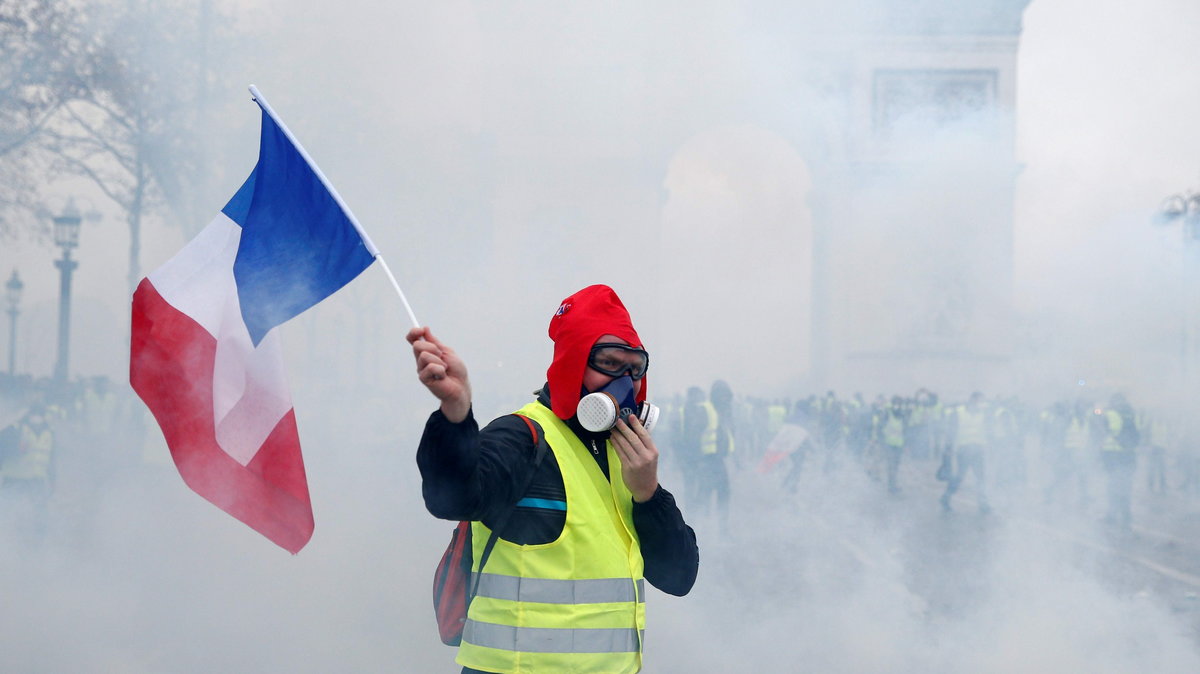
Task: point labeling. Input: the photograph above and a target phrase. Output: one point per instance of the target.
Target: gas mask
(598, 411)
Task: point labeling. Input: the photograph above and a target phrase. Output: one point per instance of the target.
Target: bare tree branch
(103, 182)
(126, 156)
(31, 131)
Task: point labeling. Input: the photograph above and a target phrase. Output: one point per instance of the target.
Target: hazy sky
(385, 95)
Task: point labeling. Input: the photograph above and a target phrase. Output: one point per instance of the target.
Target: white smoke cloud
(502, 158)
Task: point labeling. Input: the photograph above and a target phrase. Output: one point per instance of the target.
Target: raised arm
(442, 372)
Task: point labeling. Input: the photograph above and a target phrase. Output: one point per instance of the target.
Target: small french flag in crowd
(205, 354)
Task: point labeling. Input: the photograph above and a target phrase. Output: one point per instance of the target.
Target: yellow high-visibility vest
(776, 415)
(32, 460)
(576, 604)
(1078, 434)
(918, 415)
(972, 427)
(1115, 424)
(893, 429)
(708, 439)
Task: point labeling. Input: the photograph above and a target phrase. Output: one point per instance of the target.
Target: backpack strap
(542, 448)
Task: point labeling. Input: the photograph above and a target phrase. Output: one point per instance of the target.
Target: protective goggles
(615, 360)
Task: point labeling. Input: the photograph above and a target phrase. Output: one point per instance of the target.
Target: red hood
(581, 319)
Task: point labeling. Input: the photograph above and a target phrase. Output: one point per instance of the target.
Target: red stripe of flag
(171, 368)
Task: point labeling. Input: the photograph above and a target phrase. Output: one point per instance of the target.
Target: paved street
(858, 580)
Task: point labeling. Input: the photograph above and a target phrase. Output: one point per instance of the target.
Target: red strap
(532, 428)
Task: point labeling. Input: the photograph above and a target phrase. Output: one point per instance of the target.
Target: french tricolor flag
(205, 354)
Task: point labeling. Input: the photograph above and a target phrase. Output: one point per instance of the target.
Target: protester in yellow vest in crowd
(1117, 453)
(1067, 437)
(892, 432)
(776, 414)
(968, 431)
(1006, 447)
(33, 459)
(99, 410)
(923, 424)
(859, 425)
(761, 426)
(1078, 437)
(27, 468)
(564, 587)
(716, 443)
(830, 428)
(708, 439)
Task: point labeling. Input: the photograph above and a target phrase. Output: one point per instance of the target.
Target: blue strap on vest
(543, 503)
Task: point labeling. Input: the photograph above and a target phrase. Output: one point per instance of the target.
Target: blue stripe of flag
(297, 245)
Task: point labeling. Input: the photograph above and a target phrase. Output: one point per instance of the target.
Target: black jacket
(468, 474)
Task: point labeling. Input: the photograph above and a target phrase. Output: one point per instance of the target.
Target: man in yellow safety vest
(580, 532)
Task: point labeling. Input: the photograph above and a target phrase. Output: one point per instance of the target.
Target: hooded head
(581, 319)
(1118, 402)
(720, 395)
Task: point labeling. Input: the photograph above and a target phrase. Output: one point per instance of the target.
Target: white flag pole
(337, 198)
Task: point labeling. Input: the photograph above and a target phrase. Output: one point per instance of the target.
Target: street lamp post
(66, 237)
(12, 292)
(1185, 209)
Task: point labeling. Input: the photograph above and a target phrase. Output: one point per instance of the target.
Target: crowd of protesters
(1083, 453)
(84, 424)
(1089, 453)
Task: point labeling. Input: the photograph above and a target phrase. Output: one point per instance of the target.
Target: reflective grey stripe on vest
(551, 640)
(548, 591)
